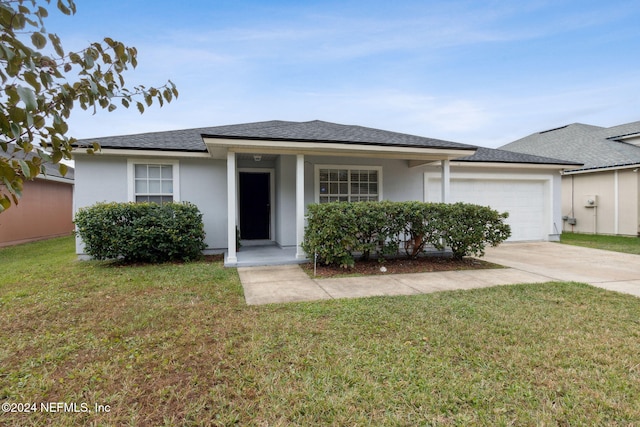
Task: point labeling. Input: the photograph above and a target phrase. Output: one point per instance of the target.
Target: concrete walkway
(529, 263)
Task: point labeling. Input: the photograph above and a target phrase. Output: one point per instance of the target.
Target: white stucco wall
(202, 182)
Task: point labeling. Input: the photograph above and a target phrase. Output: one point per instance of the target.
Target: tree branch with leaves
(41, 83)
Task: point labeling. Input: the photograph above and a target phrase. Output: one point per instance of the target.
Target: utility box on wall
(591, 201)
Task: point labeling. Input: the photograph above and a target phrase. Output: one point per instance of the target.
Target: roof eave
(602, 168)
(218, 147)
(143, 152)
(529, 165)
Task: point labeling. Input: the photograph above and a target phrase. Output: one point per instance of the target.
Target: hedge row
(142, 232)
(338, 232)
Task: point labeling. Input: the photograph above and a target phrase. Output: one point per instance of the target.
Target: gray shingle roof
(594, 146)
(503, 156)
(50, 169)
(314, 131)
(175, 140)
(319, 131)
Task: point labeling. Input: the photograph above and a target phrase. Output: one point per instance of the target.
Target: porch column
(231, 208)
(446, 178)
(299, 206)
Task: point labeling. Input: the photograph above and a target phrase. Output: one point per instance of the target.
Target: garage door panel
(524, 201)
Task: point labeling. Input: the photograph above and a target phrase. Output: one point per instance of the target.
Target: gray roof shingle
(502, 156)
(320, 132)
(593, 146)
(51, 170)
(314, 131)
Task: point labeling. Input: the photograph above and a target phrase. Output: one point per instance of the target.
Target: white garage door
(523, 199)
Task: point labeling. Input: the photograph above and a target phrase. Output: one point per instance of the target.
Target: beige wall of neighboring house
(609, 170)
(616, 195)
(45, 211)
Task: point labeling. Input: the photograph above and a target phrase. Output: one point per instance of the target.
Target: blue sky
(476, 72)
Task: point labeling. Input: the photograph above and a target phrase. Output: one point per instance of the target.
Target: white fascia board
(510, 165)
(494, 176)
(595, 170)
(55, 179)
(144, 153)
(333, 149)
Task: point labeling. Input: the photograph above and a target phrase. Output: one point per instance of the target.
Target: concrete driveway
(528, 263)
(610, 270)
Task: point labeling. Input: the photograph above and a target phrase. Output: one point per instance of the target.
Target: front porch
(293, 157)
(252, 255)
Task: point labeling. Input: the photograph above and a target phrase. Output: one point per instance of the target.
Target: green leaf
(57, 45)
(140, 107)
(5, 203)
(32, 79)
(63, 169)
(42, 12)
(38, 40)
(167, 95)
(28, 97)
(63, 8)
(56, 156)
(88, 60)
(16, 130)
(26, 170)
(34, 169)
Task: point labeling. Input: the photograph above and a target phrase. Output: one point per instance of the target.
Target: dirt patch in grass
(210, 259)
(400, 266)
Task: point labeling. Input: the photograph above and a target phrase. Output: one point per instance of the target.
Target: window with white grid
(348, 184)
(153, 182)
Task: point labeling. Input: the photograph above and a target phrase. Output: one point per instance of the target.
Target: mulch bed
(399, 265)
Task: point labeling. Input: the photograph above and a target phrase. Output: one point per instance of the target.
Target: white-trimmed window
(153, 181)
(337, 183)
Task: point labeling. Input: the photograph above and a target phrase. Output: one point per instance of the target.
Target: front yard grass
(175, 344)
(629, 245)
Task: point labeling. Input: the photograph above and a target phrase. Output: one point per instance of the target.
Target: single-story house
(44, 211)
(258, 178)
(602, 195)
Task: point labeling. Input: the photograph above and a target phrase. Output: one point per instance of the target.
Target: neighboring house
(44, 211)
(602, 196)
(259, 177)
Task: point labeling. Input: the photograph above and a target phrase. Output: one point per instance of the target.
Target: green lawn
(630, 245)
(176, 345)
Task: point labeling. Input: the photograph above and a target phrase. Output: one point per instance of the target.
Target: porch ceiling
(263, 157)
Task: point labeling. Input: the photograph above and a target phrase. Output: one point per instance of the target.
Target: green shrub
(339, 232)
(331, 233)
(423, 225)
(470, 228)
(142, 232)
